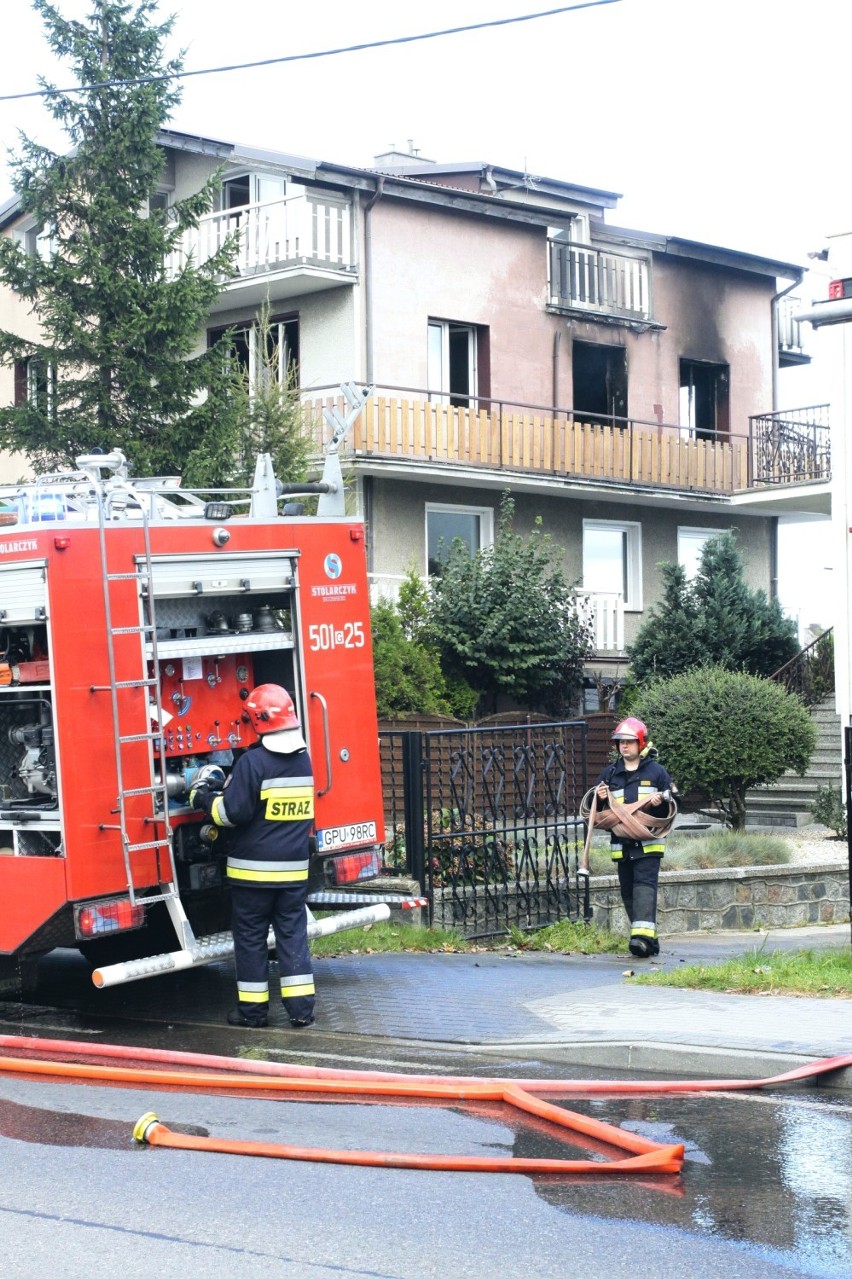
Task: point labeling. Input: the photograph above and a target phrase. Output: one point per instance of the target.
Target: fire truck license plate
(334, 837)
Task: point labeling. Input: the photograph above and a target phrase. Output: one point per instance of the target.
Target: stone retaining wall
(740, 898)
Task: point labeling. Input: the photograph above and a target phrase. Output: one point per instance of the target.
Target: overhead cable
(305, 57)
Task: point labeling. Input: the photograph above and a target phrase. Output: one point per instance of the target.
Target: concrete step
(798, 808)
(814, 776)
(787, 803)
(788, 789)
(780, 818)
(796, 785)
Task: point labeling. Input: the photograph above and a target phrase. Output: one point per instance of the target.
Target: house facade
(623, 386)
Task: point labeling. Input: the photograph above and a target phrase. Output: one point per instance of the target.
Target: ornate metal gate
(486, 820)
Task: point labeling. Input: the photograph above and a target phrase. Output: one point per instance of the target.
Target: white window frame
(264, 186)
(41, 384)
(160, 201)
(438, 360)
(36, 241)
(687, 533)
(484, 513)
(249, 329)
(633, 567)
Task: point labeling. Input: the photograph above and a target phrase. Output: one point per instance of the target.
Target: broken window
(600, 381)
(704, 408)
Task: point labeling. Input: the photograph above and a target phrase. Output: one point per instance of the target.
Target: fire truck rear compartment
(129, 639)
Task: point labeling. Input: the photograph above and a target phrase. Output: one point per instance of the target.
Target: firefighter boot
(643, 947)
(643, 927)
(236, 1017)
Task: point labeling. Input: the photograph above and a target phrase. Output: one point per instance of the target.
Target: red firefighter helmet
(631, 729)
(270, 708)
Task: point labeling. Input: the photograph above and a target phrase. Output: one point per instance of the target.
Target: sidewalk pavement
(535, 1011)
(587, 1010)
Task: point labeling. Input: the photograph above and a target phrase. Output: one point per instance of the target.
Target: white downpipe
(221, 946)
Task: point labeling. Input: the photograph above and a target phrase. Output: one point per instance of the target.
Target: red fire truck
(135, 616)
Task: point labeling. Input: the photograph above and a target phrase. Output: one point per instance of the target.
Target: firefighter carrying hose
(636, 776)
(267, 806)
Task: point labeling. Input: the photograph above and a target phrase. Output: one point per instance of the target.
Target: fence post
(847, 764)
(412, 769)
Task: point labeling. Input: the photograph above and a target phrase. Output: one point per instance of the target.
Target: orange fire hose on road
(150, 1130)
(258, 1078)
(560, 1087)
(647, 1155)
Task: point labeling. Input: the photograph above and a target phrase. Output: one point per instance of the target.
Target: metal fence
(486, 820)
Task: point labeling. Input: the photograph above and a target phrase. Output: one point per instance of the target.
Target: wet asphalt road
(766, 1189)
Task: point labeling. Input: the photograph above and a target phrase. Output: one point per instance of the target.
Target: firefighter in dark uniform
(267, 807)
(636, 775)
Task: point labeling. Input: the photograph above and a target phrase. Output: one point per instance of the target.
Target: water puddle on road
(64, 1128)
(762, 1170)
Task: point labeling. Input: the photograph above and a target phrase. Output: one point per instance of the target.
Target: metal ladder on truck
(153, 713)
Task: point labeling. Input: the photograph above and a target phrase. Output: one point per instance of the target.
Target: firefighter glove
(202, 797)
(206, 785)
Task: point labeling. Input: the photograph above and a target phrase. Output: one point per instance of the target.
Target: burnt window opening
(704, 399)
(600, 380)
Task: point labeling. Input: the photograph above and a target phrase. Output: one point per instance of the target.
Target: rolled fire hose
(628, 821)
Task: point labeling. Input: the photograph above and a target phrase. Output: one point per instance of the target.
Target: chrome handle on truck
(324, 708)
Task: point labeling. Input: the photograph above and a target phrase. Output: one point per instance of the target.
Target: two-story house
(622, 385)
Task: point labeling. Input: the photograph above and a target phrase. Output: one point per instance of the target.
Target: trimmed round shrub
(722, 732)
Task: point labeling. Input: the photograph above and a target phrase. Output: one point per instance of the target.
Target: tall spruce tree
(117, 325)
(715, 619)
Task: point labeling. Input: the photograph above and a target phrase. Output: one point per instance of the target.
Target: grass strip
(825, 974)
(386, 938)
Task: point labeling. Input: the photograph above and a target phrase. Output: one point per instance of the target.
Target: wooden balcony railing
(492, 436)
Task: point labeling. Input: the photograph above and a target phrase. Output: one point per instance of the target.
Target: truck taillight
(839, 289)
(96, 919)
(355, 866)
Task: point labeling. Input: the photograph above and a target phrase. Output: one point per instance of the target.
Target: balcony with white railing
(791, 346)
(605, 610)
(594, 280)
(295, 245)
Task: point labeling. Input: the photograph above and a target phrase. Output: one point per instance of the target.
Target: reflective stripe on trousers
(638, 880)
(253, 912)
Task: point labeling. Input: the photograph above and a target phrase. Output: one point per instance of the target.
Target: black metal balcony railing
(790, 447)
